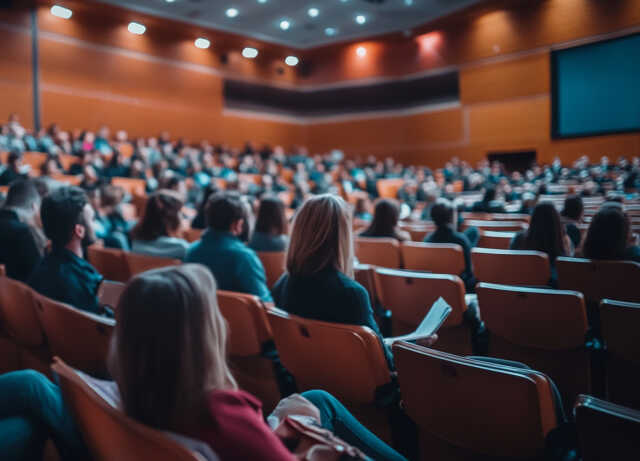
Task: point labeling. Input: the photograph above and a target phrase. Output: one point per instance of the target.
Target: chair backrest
(383, 252)
(345, 360)
(18, 313)
(473, 405)
(439, 258)
(606, 431)
(498, 226)
(109, 262)
(80, 338)
(534, 317)
(498, 240)
(109, 293)
(598, 280)
(388, 188)
(138, 263)
(3, 270)
(409, 296)
(133, 186)
(249, 327)
(363, 274)
(192, 235)
(511, 267)
(108, 433)
(480, 216)
(274, 263)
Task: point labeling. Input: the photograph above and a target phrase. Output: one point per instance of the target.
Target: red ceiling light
(430, 42)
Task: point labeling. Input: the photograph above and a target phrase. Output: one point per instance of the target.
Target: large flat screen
(596, 88)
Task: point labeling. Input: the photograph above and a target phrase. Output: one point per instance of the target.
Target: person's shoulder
(350, 286)
(229, 401)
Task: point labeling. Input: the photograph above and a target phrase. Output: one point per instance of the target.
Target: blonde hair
(321, 237)
(169, 346)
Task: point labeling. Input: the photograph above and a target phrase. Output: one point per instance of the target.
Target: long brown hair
(169, 347)
(321, 237)
(608, 234)
(546, 232)
(161, 216)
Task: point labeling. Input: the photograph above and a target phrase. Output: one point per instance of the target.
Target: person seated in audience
(546, 234)
(19, 249)
(199, 222)
(361, 209)
(386, 215)
(114, 227)
(572, 216)
(63, 274)
(235, 266)
(609, 236)
(443, 214)
(318, 283)
(270, 233)
(489, 204)
(156, 234)
(14, 169)
(173, 378)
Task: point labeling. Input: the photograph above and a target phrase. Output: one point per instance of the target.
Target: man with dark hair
(13, 170)
(18, 248)
(235, 266)
(489, 204)
(572, 216)
(63, 274)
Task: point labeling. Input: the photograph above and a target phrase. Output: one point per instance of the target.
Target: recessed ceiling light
(61, 11)
(285, 24)
(202, 43)
(231, 12)
(249, 53)
(170, 1)
(313, 12)
(291, 61)
(361, 51)
(262, 1)
(330, 31)
(361, 19)
(136, 28)
(408, 2)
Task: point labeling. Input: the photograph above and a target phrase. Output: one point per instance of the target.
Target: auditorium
(319, 230)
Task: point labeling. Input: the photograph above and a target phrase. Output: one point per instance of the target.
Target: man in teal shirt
(235, 266)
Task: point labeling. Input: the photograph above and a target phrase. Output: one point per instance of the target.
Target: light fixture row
(202, 43)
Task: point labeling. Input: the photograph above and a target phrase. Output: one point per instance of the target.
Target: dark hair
(207, 192)
(111, 195)
(489, 194)
(442, 212)
(223, 209)
(608, 234)
(13, 157)
(61, 210)
(546, 232)
(385, 220)
(573, 207)
(161, 216)
(23, 193)
(271, 217)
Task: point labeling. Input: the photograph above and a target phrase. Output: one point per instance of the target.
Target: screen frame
(555, 134)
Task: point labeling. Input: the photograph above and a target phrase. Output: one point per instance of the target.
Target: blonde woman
(319, 281)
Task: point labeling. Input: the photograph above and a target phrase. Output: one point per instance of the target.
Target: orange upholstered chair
(542, 328)
(111, 263)
(388, 188)
(108, 433)
(511, 267)
(137, 263)
(619, 327)
(133, 186)
(410, 295)
(606, 431)
(79, 337)
(274, 263)
(384, 252)
(250, 342)
(496, 226)
(497, 240)
(19, 323)
(345, 360)
(439, 258)
(109, 293)
(192, 235)
(469, 409)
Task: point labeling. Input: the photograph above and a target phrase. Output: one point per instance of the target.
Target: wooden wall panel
(527, 76)
(15, 73)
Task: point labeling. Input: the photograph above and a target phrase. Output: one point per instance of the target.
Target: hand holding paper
(429, 325)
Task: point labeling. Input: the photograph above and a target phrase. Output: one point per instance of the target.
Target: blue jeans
(337, 419)
(31, 411)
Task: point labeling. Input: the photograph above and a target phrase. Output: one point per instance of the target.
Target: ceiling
(260, 19)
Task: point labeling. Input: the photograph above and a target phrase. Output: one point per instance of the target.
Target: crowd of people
(45, 228)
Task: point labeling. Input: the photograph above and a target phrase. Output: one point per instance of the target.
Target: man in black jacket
(18, 249)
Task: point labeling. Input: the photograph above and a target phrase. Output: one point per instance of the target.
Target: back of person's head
(207, 192)
(22, 195)
(224, 209)
(161, 216)
(14, 159)
(386, 214)
(169, 347)
(442, 212)
(271, 216)
(546, 232)
(61, 211)
(489, 194)
(112, 196)
(573, 207)
(608, 234)
(321, 237)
